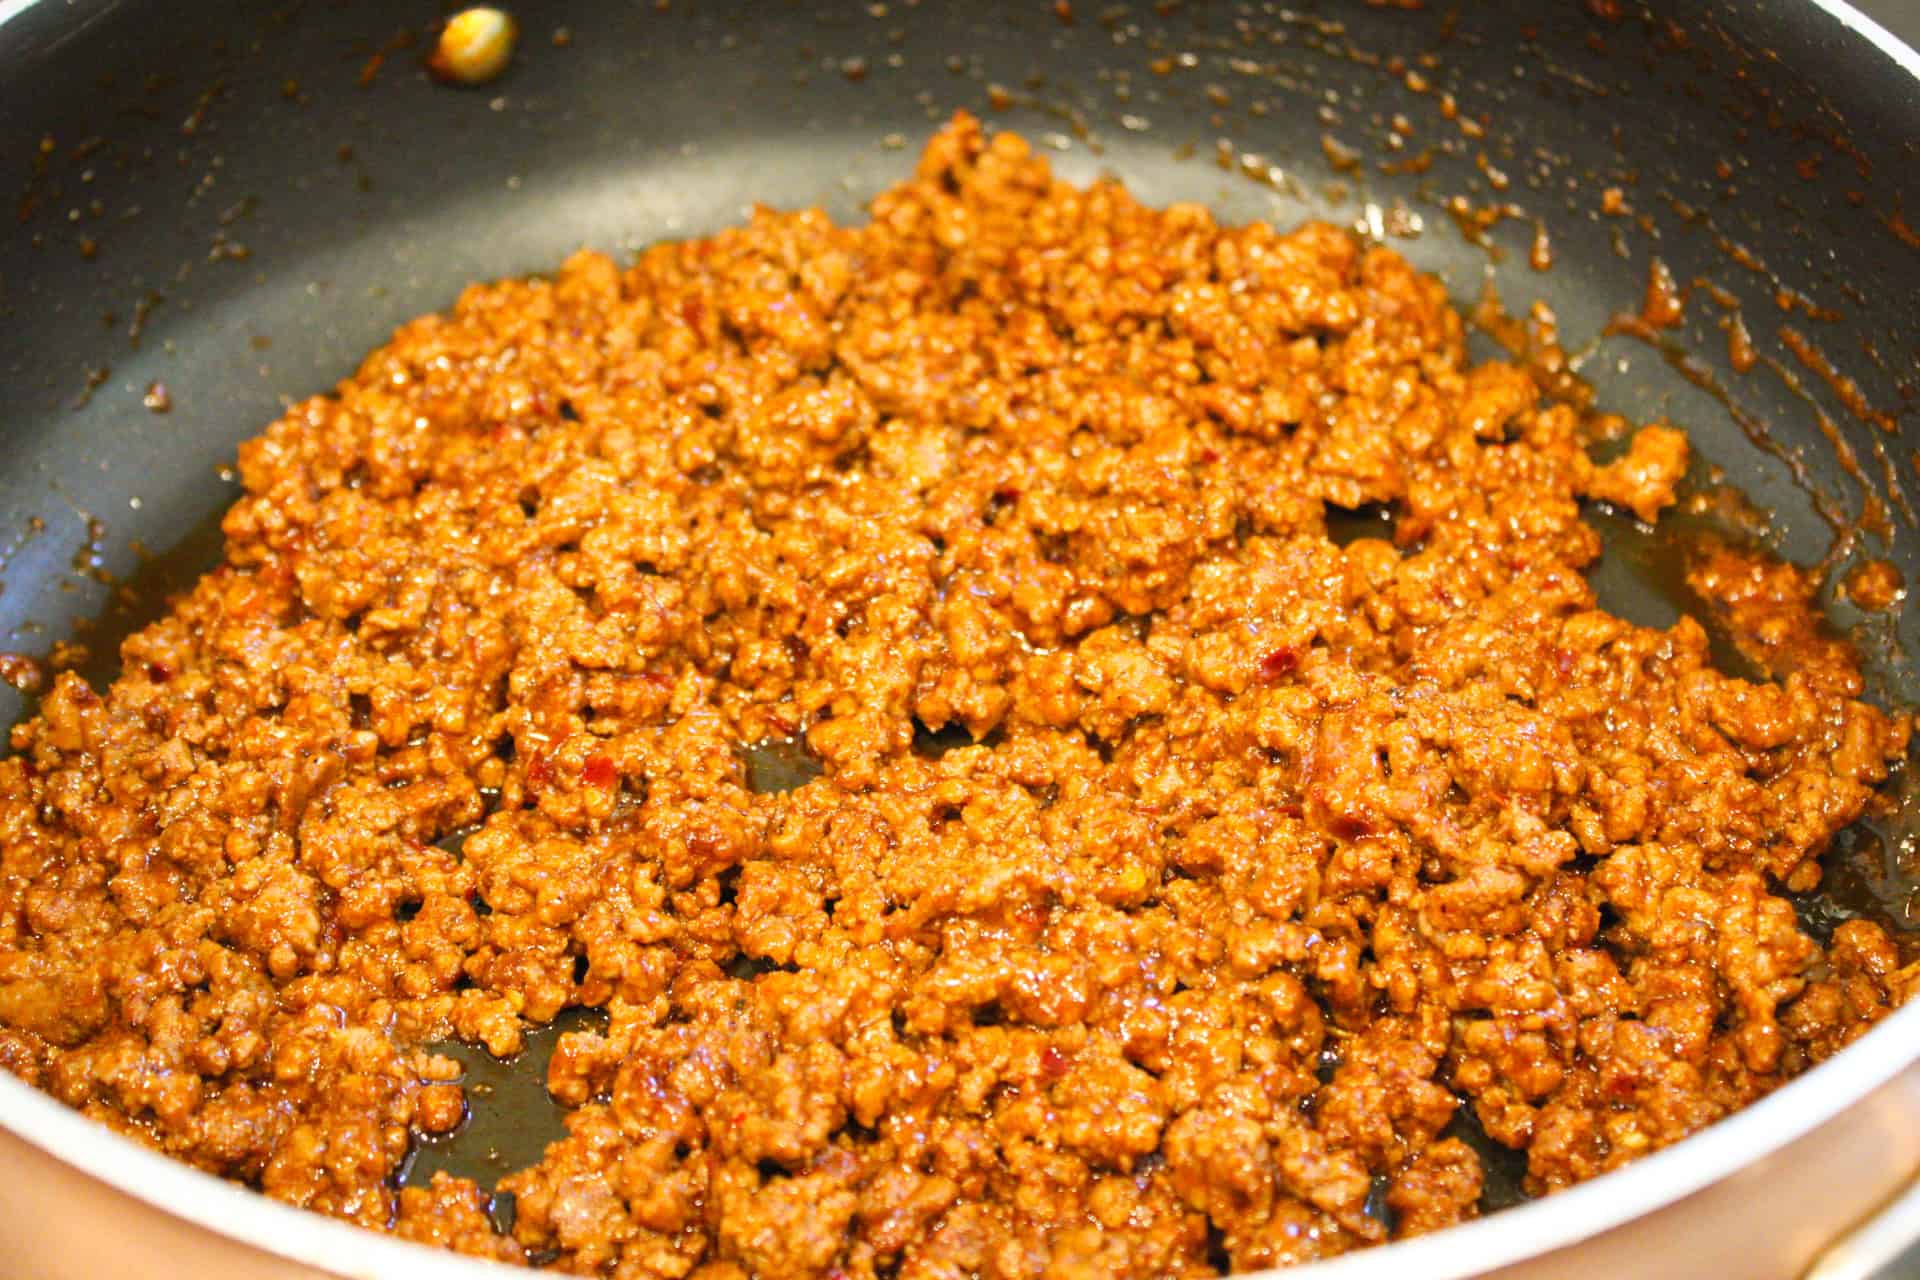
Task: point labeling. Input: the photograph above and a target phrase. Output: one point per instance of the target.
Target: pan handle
(1880, 1247)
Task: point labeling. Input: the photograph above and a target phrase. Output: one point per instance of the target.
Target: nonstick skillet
(216, 210)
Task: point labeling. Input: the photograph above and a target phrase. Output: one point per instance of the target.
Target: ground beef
(1259, 856)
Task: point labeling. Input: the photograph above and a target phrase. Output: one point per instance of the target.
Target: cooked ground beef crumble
(1262, 856)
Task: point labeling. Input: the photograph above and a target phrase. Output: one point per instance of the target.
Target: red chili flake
(1563, 660)
(1006, 493)
(1053, 1063)
(693, 311)
(598, 771)
(159, 672)
(1209, 455)
(1350, 826)
(539, 770)
(1280, 664)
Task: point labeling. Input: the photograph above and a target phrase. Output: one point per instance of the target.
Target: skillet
(219, 210)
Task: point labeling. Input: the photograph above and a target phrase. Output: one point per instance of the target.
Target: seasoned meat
(1249, 858)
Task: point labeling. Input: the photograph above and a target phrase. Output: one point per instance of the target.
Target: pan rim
(1842, 11)
(1510, 1236)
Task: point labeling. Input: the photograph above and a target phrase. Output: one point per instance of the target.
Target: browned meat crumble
(1265, 854)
